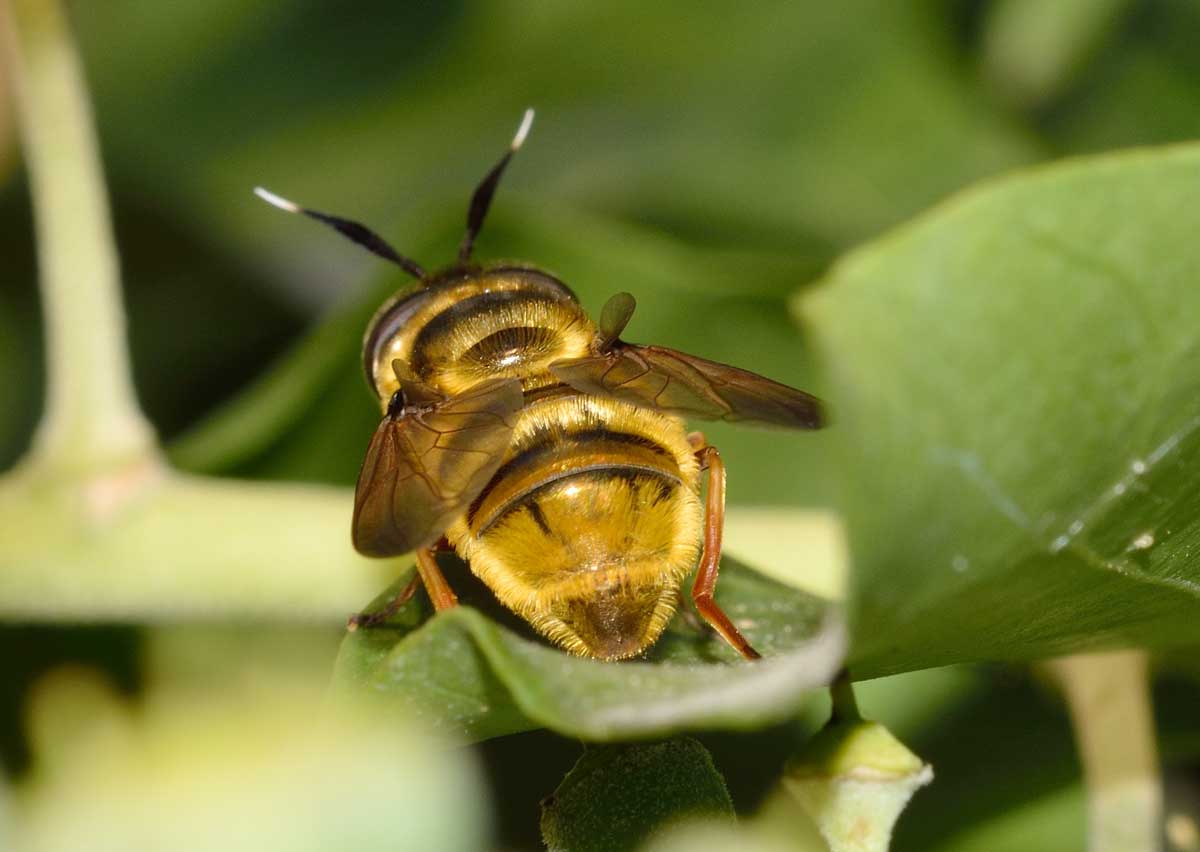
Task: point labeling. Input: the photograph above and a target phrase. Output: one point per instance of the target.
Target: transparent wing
(672, 381)
(425, 465)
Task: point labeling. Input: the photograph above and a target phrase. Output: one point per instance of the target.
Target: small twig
(845, 705)
(92, 421)
(1108, 696)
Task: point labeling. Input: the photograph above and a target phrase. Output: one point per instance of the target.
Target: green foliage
(646, 120)
(1014, 445)
(618, 797)
(463, 671)
(1140, 88)
(209, 773)
(1017, 395)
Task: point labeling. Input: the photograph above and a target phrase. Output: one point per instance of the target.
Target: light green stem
(94, 526)
(92, 421)
(1108, 696)
(845, 705)
(182, 548)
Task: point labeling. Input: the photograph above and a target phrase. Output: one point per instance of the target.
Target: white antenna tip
(277, 200)
(523, 130)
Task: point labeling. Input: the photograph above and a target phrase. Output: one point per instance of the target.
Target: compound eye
(396, 404)
(388, 323)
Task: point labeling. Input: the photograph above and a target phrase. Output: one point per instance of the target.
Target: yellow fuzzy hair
(604, 532)
(635, 534)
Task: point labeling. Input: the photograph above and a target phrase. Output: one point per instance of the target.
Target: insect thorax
(467, 326)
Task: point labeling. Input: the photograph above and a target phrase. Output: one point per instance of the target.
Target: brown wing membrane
(425, 465)
(662, 378)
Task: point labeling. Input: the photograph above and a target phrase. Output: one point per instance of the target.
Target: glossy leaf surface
(1017, 386)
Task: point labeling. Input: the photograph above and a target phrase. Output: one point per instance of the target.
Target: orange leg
(430, 574)
(706, 574)
(439, 590)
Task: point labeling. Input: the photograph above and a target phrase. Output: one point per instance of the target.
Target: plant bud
(853, 779)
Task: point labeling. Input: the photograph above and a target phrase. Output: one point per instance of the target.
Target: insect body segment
(591, 524)
(547, 451)
(471, 325)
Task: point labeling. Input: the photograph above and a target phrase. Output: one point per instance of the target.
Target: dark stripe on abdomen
(603, 473)
(554, 450)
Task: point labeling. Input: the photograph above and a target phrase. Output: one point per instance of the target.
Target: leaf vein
(968, 464)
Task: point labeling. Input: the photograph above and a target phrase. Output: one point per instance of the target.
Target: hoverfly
(546, 451)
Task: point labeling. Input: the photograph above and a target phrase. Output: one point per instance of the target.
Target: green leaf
(467, 672)
(618, 797)
(1019, 417)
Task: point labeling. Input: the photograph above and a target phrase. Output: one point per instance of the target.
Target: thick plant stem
(95, 526)
(1108, 696)
(92, 421)
(188, 548)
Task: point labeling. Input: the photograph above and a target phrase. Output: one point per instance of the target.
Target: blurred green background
(711, 159)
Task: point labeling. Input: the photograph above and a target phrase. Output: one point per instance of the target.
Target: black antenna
(359, 233)
(482, 199)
